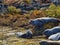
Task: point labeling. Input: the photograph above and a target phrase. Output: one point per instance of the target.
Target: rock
(43, 43)
(52, 31)
(55, 37)
(45, 5)
(1, 1)
(54, 1)
(27, 34)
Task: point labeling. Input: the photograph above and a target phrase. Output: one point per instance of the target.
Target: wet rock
(56, 2)
(43, 43)
(52, 31)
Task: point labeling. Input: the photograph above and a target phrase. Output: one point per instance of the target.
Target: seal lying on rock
(27, 34)
(55, 37)
(39, 24)
(52, 31)
(41, 21)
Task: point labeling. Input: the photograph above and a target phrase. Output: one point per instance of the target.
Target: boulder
(49, 32)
